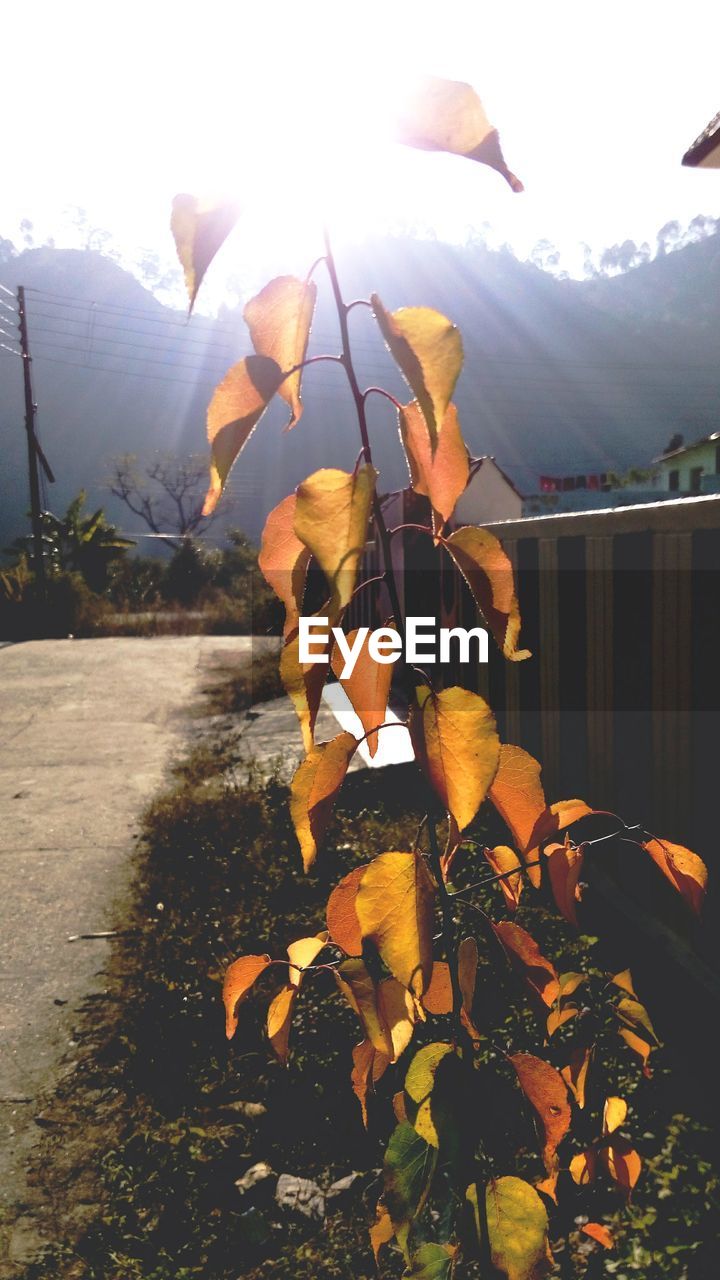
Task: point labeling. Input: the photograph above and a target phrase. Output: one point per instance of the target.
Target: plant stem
(346, 358)
(448, 925)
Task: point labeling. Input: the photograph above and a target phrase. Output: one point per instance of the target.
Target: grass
(155, 1130)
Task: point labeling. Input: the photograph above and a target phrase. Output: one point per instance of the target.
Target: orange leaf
(439, 996)
(279, 320)
(399, 1108)
(279, 1020)
(395, 906)
(576, 1072)
(382, 1231)
(237, 405)
(342, 919)
(368, 687)
(624, 981)
(368, 1067)
(527, 959)
(331, 518)
(428, 350)
(456, 745)
(313, 789)
(303, 683)
(684, 869)
(489, 574)
(544, 1087)
(385, 1009)
(199, 229)
(447, 115)
(564, 867)
(517, 794)
(239, 978)
(467, 975)
(283, 560)
(440, 476)
(622, 1163)
(504, 862)
(598, 1232)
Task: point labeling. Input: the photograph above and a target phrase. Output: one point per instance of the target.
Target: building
(691, 468)
(489, 495)
(705, 151)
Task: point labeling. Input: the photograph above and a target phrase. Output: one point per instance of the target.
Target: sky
(288, 106)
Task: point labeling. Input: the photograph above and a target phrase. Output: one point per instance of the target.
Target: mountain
(560, 376)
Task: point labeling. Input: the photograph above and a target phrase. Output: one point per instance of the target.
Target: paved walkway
(87, 731)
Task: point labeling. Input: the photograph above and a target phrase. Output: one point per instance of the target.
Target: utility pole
(35, 453)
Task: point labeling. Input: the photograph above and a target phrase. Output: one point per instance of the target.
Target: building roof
(475, 465)
(705, 150)
(688, 448)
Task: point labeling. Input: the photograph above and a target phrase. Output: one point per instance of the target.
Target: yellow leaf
(283, 560)
(342, 919)
(385, 1008)
(279, 1020)
(527, 959)
(583, 1167)
(302, 953)
(427, 348)
(419, 1087)
(456, 745)
(517, 1224)
(279, 320)
(684, 869)
(505, 862)
(239, 978)
(636, 1029)
(544, 1088)
(303, 683)
(237, 405)
(447, 115)
(368, 1066)
(438, 998)
(488, 572)
(199, 228)
(441, 476)
(331, 518)
(368, 687)
(614, 1115)
(313, 789)
(395, 907)
(576, 1072)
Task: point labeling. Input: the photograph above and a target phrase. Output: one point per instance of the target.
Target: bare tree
(167, 493)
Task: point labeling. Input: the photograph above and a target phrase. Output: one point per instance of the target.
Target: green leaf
(432, 1262)
(408, 1170)
(517, 1226)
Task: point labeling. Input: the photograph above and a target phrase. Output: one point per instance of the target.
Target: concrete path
(87, 731)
